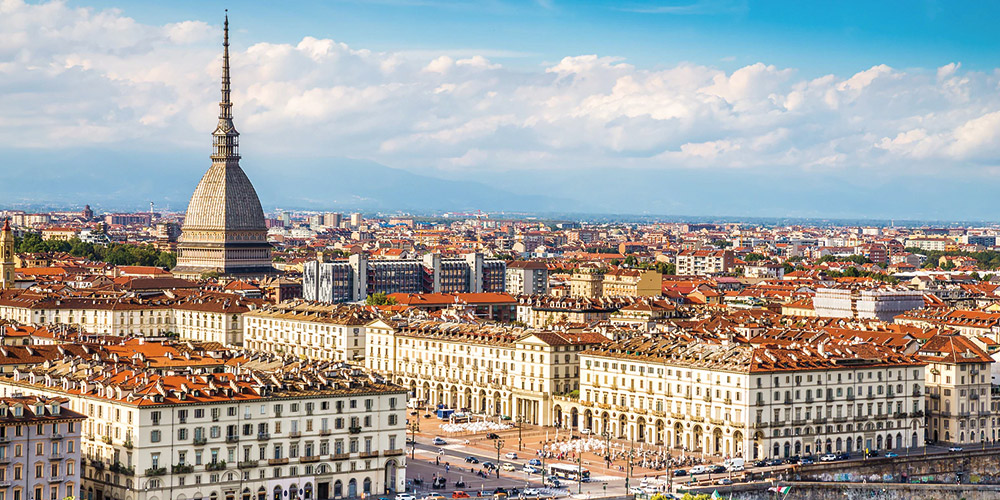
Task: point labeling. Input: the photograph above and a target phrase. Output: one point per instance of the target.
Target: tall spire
(225, 138)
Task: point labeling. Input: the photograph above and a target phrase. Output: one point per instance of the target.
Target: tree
(668, 268)
(380, 299)
(210, 275)
(754, 257)
(615, 262)
(631, 261)
(788, 267)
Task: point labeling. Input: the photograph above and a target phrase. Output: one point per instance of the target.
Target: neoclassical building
(748, 400)
(490, 369)
(224, 230)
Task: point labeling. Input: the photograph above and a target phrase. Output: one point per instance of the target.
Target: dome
(224, 200)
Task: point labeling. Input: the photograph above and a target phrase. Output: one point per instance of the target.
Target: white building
(317, 331)
(878, 303)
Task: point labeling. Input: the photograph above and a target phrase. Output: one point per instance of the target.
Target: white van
(735, 464)
(699, 469)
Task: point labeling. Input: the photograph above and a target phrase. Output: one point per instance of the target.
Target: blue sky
(852, 105)
(817, 37)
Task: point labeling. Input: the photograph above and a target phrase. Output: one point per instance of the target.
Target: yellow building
(632, 283)
(586, 285)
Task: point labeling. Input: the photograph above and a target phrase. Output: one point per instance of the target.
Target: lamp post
(414, 427)
(607, 448)
(520, 423)
(499, 446)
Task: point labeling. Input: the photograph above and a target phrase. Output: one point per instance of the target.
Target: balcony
(97, 464)
(4, 460)
(899, 414)
(56, 479)
(263, 436)
(839, 420)
(820, 420)
(247, 464)
(55, 437)
(340, 456)
(354, 429)
(200, 441)
(918, 413)
(106, 439)
(156, 471)
(294, 434)
(4, 439)
(182, 469)
(727, 401)
(392, 453)
(128, 444)
(850, 397)
(716, 421)
(121, 469)
(935, 395)
(232, 439)
(309, 459)
(368, 454)
(325, 432)
(760, 425)
(277, 461)
(759, 402)
(216, 466)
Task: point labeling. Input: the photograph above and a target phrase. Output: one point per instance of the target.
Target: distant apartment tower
(702, 262)
(356, 219)
(331, 219)
(525, 277)
(883, 304)
(137, 219)
(358, 277)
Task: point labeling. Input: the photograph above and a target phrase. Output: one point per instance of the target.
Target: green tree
(380, 299)
(210, 275)
(754, 257)
(668, 268)
(631, 261)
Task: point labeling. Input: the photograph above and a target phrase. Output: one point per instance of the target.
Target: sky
(696, 107)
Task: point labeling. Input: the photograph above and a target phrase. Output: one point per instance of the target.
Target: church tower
(224, 230)
(6, 256)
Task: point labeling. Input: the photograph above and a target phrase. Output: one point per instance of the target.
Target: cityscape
(296, 333)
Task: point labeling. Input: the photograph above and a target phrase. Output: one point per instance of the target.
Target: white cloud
(78, 76)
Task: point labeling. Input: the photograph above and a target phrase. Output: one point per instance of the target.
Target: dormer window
(18, 411)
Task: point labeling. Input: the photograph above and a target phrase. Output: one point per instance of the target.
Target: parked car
(508, 467)
(405, 496)
(510, 455)
(471, 460)
(760, 463)
(680, 472)
(829, 457)
(844, 456)
(536, 462)
(438, 441)
(806, 461)
(499, 489)
(459, 494)
(735, 468)
(955, 448)
(724, 480)
(871, 453)
(891, 455)
(716, 469)
(698, 469)
(585, 431)
(775, 462)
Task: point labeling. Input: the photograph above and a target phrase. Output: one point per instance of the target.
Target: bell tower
(6, 256)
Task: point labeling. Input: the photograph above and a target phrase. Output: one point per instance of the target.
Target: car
(829, 457)
(680, 472)
(438, 441)
(716, 469)
(405, 496)
(806, 461)
(955, 448)
(489, 465)
(433, 497)
(760, 463)
(427, 415)
(531, 469)
(553, 482)
(508, 467)
(635, 490)
(871, 453)
(410, 440)
(774, 462)
(459, 494)
(891, 455)
(735, 468)
(514, 492)
(536, 462)
(844, 456)
(510, 455)
(530, 492)
(492, 435)
(499, 489)
(585, 431)
(471, 460)
(698, 469)
(724, 480)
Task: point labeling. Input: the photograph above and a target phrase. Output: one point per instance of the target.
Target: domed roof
(224, 200)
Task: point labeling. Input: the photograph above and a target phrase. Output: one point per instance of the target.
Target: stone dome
(224, 200)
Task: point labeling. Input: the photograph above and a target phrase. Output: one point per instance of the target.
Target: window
(154, 436)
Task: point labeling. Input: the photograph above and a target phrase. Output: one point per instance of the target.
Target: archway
(717, 441)
(352, 488)
(640, 430)
(737, 444)
(678, 435)
(366, 486)
(276, 493)
(574, 418)
(390, 476)
(557, 415)
(698, 445)
(659, 432)
(338, 489)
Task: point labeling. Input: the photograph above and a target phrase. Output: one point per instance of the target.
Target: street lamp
(499, 446)
(414, 427)
(607, 447)
(520, 421)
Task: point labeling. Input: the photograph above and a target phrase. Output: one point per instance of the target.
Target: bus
(569, 472)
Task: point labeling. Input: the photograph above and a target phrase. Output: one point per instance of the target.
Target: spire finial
(226, 142)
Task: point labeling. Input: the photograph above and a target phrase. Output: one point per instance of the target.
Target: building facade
(527, 278)
(40, 450)
(704, 262)
(316, 331)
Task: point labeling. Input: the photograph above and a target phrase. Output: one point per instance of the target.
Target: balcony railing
(354, 429)
(216, 465)
(391, 453)
(277, 461)
(294, 434)
(200, 441)
(232, 439)
(340, 456)
(325, 432)
(121, 469)
(247, 464)
(263, 436)
(182, 469)
(156, 471)
(368, 454)
(309, 459)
